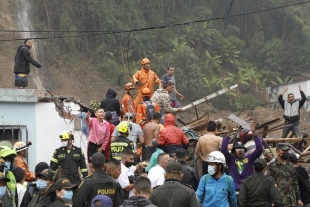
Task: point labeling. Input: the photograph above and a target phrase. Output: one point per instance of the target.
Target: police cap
(174, 167)
(98, 158)
(261, 161)
(63, 183)
(47, 173)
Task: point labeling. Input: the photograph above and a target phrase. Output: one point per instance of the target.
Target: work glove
(132, 179)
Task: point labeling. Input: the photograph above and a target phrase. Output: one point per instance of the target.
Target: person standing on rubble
(22, 67)
(112, 104)
(127, 100)
(145, 78)
(291, 112)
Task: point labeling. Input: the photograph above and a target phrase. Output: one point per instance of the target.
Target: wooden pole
(270, 140)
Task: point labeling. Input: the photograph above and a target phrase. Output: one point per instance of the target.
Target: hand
(180, 109)
(143, 164)
(99, 150)
(144, 175)
(252, 128)
(300, 203)
(181, 96)
(286, 88)
(139, 83)
(88, 114)
(230, 129)
(299, 87)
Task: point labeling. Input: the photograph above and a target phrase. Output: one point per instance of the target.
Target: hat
(40, 167)
(282, 146)
(238, 145)
(2, 177)
(174, 167)
(108, 115)
(292, 158)
(167, 83)
(98, 158)
(63, 183)
(261, 161)
(47, 173)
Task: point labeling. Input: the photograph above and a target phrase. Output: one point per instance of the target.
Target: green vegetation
(253, 50)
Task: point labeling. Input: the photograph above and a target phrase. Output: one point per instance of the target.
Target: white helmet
(216, 156)
(20, 146)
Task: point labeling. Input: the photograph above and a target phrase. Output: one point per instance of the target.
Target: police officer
(98, 183)
(259, 189)
(121, 142)
(70, 158)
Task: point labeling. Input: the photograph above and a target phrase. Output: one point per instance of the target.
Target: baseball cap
(282, 146)
(98, 158)
(63, 183)
(261, 161)
(2, 177)
(47, 173)
(174, 167)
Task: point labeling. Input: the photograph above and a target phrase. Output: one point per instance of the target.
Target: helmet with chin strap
(66, 136)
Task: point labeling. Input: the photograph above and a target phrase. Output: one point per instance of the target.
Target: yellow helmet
(66, 135)
(123, 127)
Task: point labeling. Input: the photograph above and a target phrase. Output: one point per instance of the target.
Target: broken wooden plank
(270, 140)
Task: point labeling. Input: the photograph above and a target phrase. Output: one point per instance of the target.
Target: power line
(231, 3)
(101, 32)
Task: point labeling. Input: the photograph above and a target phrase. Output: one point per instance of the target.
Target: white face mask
(64, 144)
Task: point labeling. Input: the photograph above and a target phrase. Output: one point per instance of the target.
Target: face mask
(285, 155)
(211, 170)
(64, 144)
(2, 191)
(7, 166)
(68, 195)
(41, 184)
(129, 164)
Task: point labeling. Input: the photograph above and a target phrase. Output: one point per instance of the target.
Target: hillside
(251, 50)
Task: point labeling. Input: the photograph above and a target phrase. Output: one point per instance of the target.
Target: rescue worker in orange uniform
(145, 78)
(141, 116)
(19, 161)
(127, 101)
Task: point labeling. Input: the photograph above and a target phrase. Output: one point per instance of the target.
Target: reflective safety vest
(9, 197)
(118, 145)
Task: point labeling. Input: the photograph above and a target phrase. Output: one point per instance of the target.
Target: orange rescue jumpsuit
(128, 105)
(148, 78)
(20, 162)
(141, 111)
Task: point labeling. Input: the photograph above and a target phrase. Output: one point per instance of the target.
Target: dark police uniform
(118, 145)
(58, 203)
(70, 161)
(258, 190)
(99, 183)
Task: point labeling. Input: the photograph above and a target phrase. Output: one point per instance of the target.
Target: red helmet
(146, 92)
(129, 86)
(145, 61)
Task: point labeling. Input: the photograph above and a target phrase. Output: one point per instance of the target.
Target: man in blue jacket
(216, 188)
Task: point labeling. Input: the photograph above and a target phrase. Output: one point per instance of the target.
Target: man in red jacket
(172, 137)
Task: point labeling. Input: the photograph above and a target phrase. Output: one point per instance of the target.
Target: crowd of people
(136, 156)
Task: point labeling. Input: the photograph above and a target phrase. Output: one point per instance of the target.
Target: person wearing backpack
(216, 188)
(146, 109)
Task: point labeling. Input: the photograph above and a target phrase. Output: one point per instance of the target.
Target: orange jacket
(20, 162)
(148, 78)
(141, 111)
(171, 135)
(128, 105)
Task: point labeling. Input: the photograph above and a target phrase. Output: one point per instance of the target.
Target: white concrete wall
(49, 126)
(19, 113)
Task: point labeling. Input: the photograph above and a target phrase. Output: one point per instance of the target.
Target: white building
(34, 115)
(274, 91)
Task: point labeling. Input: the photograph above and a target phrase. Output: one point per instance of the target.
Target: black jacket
(174, 194)
(99, 183)
(58, 203)
(42, 200)
(111, 103)
(304, 184)
(70, 163)
(137, 201)
(190, 175)
(22, 60)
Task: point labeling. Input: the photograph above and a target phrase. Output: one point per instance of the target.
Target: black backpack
(150, 111)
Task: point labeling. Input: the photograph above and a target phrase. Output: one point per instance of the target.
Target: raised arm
(303, 98)
(280, 98)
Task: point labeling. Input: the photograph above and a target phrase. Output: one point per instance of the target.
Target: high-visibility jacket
(20, 162)
(118, 145)
(148, 78)
(141, 110)
(128, 105)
